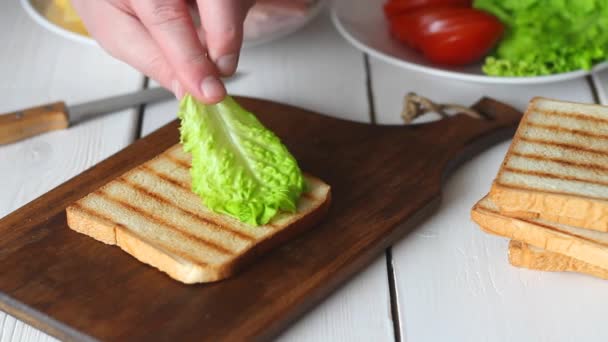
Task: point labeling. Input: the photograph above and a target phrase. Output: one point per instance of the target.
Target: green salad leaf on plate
(239, 168)
(545, 37)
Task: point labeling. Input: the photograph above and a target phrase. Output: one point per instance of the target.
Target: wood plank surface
(464, 283)
(69, 298)
(297, 70)
(39, 67)
(450, 274)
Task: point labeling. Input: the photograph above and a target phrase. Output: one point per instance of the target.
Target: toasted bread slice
(523, 255)
(557, 166)
(583, 244)
(151, 213)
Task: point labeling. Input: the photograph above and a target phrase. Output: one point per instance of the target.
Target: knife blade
(88, 110)
(26, 123)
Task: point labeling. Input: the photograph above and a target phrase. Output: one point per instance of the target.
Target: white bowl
(287, 29)
(34, 9)
(362, 23)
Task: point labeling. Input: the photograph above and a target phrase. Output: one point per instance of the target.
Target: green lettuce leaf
(546, 37)
(239, 168)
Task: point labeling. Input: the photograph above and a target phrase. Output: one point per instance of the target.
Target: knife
(27, 123)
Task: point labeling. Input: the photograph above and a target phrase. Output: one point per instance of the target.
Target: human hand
(160, 39)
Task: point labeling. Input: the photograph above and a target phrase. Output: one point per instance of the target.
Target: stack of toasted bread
(550, 196)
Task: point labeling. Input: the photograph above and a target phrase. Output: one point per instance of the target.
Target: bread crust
(281, 236)
(109, 233)
(541, 236)
(521, 255)
(186, 271)
(575, 211)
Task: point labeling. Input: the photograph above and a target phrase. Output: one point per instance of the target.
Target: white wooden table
(447, 281)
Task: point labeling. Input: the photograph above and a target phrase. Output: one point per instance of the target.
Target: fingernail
(227, 64)
(177, 89)
(212, 88)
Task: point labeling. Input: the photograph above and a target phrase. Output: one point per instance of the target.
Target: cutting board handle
(463, 136)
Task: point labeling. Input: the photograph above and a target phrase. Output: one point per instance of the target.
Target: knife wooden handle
(33, 121)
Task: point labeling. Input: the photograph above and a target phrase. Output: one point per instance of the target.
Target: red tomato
(396, 7)
(453, 36)
(405, 30)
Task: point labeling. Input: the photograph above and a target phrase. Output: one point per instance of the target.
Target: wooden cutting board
(384, 180)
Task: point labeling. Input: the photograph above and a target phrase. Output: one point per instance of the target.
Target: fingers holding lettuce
(160, 39)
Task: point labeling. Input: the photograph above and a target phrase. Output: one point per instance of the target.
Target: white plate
(33, 9)
(363, 24)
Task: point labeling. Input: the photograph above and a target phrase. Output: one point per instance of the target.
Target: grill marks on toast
(186, 215)
(556, 128)
(561, 161)
(164, 177)
(564, 145)
(563, 136)
(560, 152)
(560, 169)
(571, 115)
(556, 148)
(159, 221)
(97, 215)
(168, 201)
(154, 203)
(179, 178)
(569, 121)
(548, 182)
(553, 176)
(179, 162)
